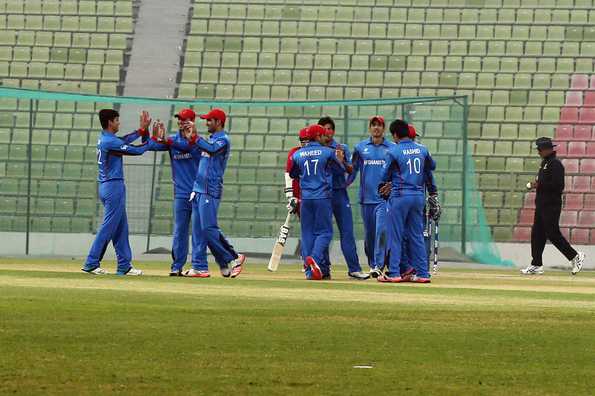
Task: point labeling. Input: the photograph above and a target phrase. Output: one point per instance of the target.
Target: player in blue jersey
(313, 165)
(112, 192)
(368, 158)
(206, 196)
(184, 167)
(406, 167)
(341, 204)
(432, 209)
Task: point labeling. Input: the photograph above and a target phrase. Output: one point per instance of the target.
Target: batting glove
(434, 207)
(292, 205)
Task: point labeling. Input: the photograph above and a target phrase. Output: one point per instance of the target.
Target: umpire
(549, 185)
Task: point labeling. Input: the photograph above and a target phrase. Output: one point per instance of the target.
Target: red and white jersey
(295, 183)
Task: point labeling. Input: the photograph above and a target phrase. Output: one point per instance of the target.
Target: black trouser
(546, 226)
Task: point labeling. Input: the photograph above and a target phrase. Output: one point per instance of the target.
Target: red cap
(378, 118)
(316, 130)
(412, 132)
(304, 134)
(186, 114)
(215, 114)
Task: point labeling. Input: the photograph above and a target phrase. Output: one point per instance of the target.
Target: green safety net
(48, 166)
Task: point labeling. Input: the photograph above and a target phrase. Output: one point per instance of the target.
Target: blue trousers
(404, 265)
(114, 227)
(316, 219)
(206, 232)
(374, 217)
(406, 247)
(344, 219)
(182, 218)
(405, 215)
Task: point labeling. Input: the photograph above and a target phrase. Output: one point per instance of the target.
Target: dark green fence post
(464, 180)
(345, 123)
(29, 160)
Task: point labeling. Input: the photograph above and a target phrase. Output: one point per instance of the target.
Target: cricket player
(184, 167)
(405, 166)
(368, 158)
(341, 204)
(292, 186)
(433, 207)
(313, 164)
(112, 192)
(206, 196)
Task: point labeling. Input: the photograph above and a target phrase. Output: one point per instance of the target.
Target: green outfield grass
(469, 332)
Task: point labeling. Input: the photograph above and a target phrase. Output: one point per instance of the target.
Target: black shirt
(550, 182)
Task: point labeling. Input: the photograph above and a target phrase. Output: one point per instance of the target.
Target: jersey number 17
(314, 167)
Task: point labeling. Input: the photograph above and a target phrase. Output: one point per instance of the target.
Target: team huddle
(395, 178)
(198, 165)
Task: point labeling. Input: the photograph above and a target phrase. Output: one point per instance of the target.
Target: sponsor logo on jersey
(182, 156)
(374, 162)
(123, 147)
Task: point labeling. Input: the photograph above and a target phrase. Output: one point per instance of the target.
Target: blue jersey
(340, 176)
(184, 165)
(214, 153)
(408, 165)
(368, 158)
(111, 148)
(314, 164)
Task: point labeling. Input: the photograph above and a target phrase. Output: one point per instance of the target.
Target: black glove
(434, 209)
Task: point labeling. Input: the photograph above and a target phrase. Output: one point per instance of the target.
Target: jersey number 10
(414, 166)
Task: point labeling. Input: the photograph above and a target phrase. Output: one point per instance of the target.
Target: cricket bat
(279, 245)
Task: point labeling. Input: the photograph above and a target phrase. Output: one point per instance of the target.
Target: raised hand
(159, 130)
(189, 130)
(155, 131)
(145, 120)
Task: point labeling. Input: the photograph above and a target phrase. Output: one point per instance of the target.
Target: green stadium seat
(64, 207)
(519, 98)
(514, 164)
(521, 81)
(80, 225)
(584, 66)
(85, 207)
(52, 170)
(484, 148)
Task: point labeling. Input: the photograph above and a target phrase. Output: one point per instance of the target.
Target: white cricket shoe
(134, 272)
(238, 265)
(577, 263)
(532, 270)
(359, 275)
(96, 271)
